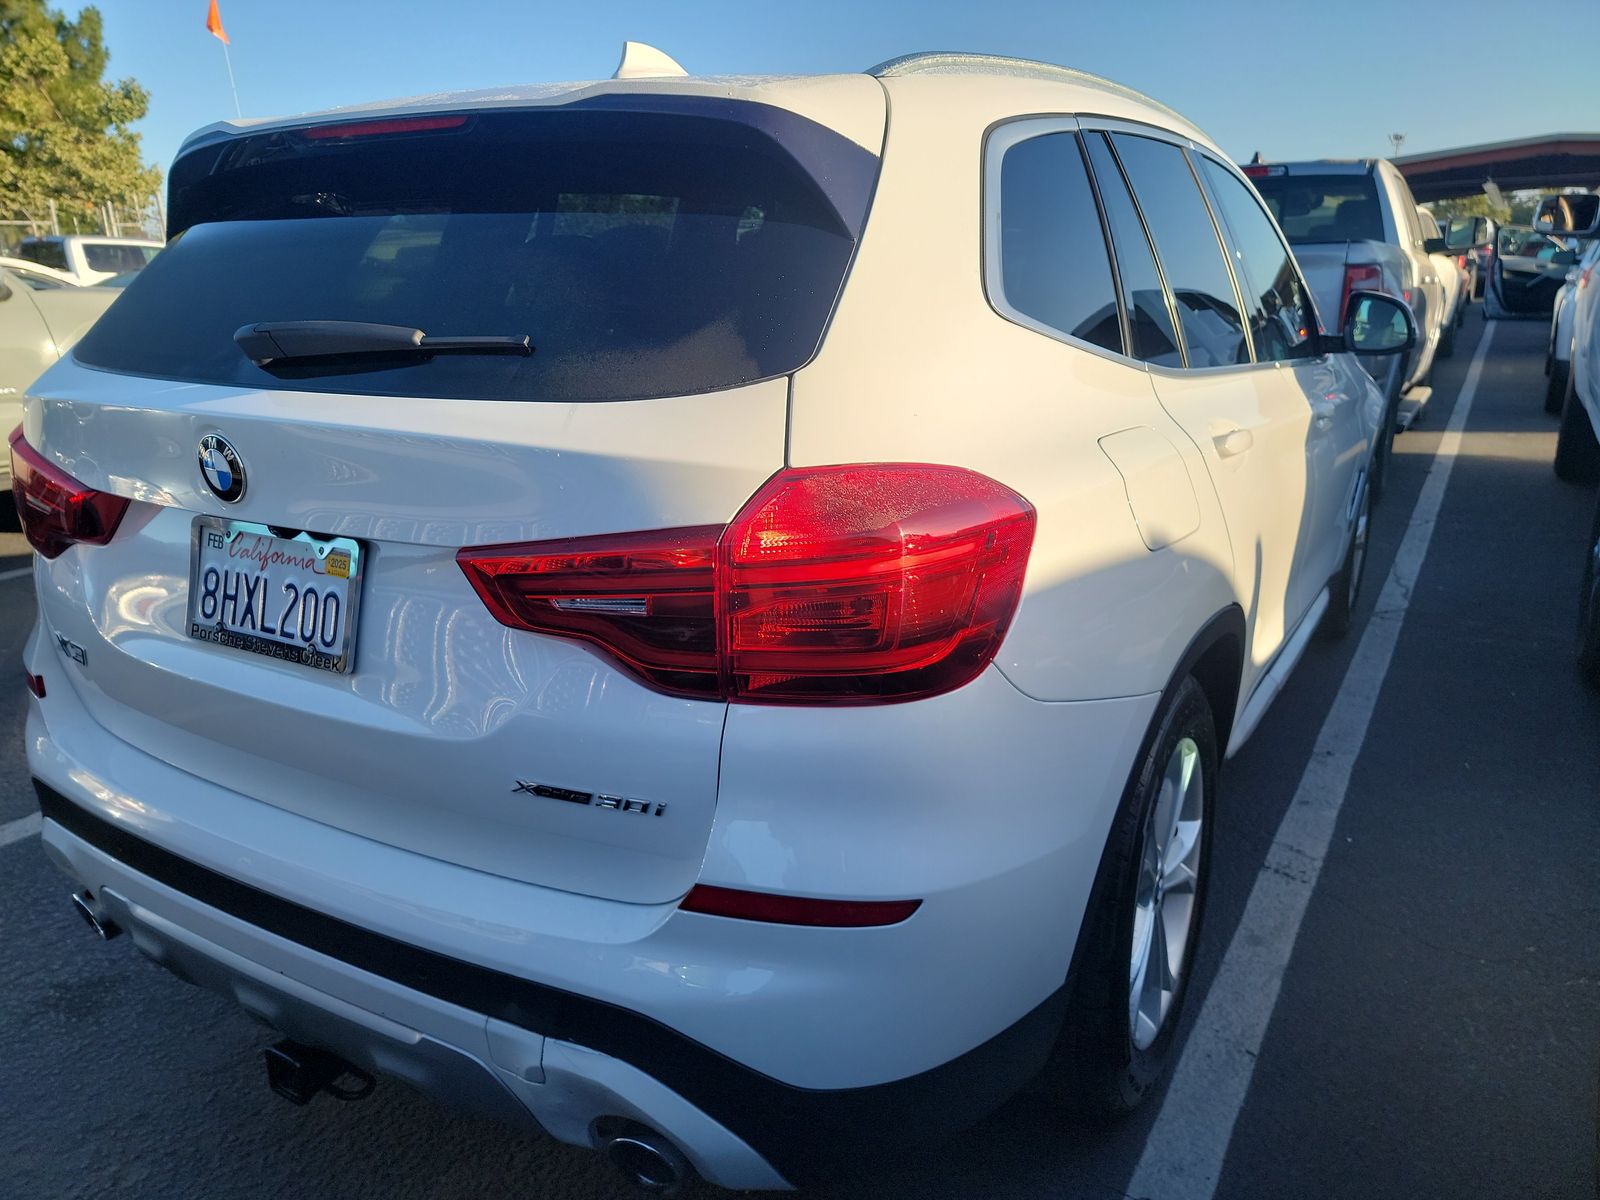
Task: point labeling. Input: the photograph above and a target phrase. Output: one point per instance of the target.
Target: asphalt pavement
(1437, 1030)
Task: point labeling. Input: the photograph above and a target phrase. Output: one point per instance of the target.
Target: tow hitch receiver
(297, 1073)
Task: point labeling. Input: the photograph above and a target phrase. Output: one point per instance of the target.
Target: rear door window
(647, 252)
(1186, 245)
(1324, 208)
(46, 254)
(1155, 339)
(1054, 267)
(1282, 322)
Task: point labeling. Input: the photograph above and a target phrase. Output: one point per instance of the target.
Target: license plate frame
(218, 633)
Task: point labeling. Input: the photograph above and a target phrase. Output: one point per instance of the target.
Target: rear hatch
(281, 612)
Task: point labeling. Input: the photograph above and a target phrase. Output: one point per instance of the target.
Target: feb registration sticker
(291, 598)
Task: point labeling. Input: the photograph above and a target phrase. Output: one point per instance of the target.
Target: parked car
(34, 277)
(1528, 270)
(1577, 458)
(1460, 235)
(37, 325)
(1354, 225)
(606, 665)
(1452, 277)
(90, 258)
(1558, 356)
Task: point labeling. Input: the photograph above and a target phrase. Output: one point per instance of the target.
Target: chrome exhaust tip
(89, 909)
(646, 1159)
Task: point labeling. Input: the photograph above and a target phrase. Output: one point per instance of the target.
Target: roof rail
(956, 62)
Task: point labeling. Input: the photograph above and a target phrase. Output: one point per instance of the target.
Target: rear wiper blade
(269, 342)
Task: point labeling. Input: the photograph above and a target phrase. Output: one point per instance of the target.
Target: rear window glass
(643, 253)
(46, 254)
(109, 256)
(1324, 208)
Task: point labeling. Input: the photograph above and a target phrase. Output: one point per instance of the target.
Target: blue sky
(1256, 75)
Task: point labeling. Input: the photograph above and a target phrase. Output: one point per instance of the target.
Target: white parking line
(16, 574)
(1188, 1143)
(22, 827)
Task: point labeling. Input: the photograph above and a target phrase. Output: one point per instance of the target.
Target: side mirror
(1436, 245)
(1569, 216)
(1468, 233)
(1376, 323)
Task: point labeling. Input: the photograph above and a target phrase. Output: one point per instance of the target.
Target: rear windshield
(117, 257)
(643, 253)
(1324, 208)
(46, 254)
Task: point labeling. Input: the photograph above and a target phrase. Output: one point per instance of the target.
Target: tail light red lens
(1358, 277)
(55, 509)
(856, 584)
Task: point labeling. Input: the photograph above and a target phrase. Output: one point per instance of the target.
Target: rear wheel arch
(1215, 657)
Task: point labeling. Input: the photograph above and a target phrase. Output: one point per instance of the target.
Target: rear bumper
(507, 1047)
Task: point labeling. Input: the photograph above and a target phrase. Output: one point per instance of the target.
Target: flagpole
(232, 86)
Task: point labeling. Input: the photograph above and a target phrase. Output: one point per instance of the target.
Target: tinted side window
(46, 254)
(1149, 319)
(1186, 244)
(1281, 317)
(1053, 260)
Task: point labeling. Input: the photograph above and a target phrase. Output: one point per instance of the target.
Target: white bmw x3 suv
(682, 610)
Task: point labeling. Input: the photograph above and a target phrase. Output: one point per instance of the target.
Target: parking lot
(1436, 1032)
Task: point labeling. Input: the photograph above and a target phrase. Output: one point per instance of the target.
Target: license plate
(289, 598)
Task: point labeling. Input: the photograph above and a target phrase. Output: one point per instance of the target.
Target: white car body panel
(1166, 501)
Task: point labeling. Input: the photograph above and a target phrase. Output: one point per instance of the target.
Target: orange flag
(214, 24)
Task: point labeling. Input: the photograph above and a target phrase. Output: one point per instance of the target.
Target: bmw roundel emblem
(220, 464)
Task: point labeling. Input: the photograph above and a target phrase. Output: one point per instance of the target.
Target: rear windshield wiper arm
(270, 342)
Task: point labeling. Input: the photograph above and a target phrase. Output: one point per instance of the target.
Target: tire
(1344, 589)
(1447, 339)
(1589, 607)
(1577, 451)
(1108, 1056)
(1555, 392)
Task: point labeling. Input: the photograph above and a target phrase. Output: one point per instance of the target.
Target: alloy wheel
(1167, 892)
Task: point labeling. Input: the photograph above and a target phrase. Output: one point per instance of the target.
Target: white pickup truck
(1354, 226)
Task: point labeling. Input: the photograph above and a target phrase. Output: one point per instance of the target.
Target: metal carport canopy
(1553, 160)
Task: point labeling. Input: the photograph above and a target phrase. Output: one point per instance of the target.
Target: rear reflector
(796, 910)
(35, 684)
(55, 509)
(361, 129)
(855, 584)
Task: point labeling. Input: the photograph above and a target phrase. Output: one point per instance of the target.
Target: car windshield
(1324, 208)
(642, 253)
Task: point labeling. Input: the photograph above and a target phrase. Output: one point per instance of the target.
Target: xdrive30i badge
(222, 468)
(625, 804)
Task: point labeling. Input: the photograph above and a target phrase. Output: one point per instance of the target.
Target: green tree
(64, 129)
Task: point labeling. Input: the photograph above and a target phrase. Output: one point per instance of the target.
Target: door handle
(1322, 416)
(1232, 441)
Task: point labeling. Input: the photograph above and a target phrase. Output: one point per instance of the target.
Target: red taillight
(1461, 261)
(796, 910)
(392, 125)
(854, 584)
(35, 684)
(1583, 277)
(55, 509)
(1362, 277)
